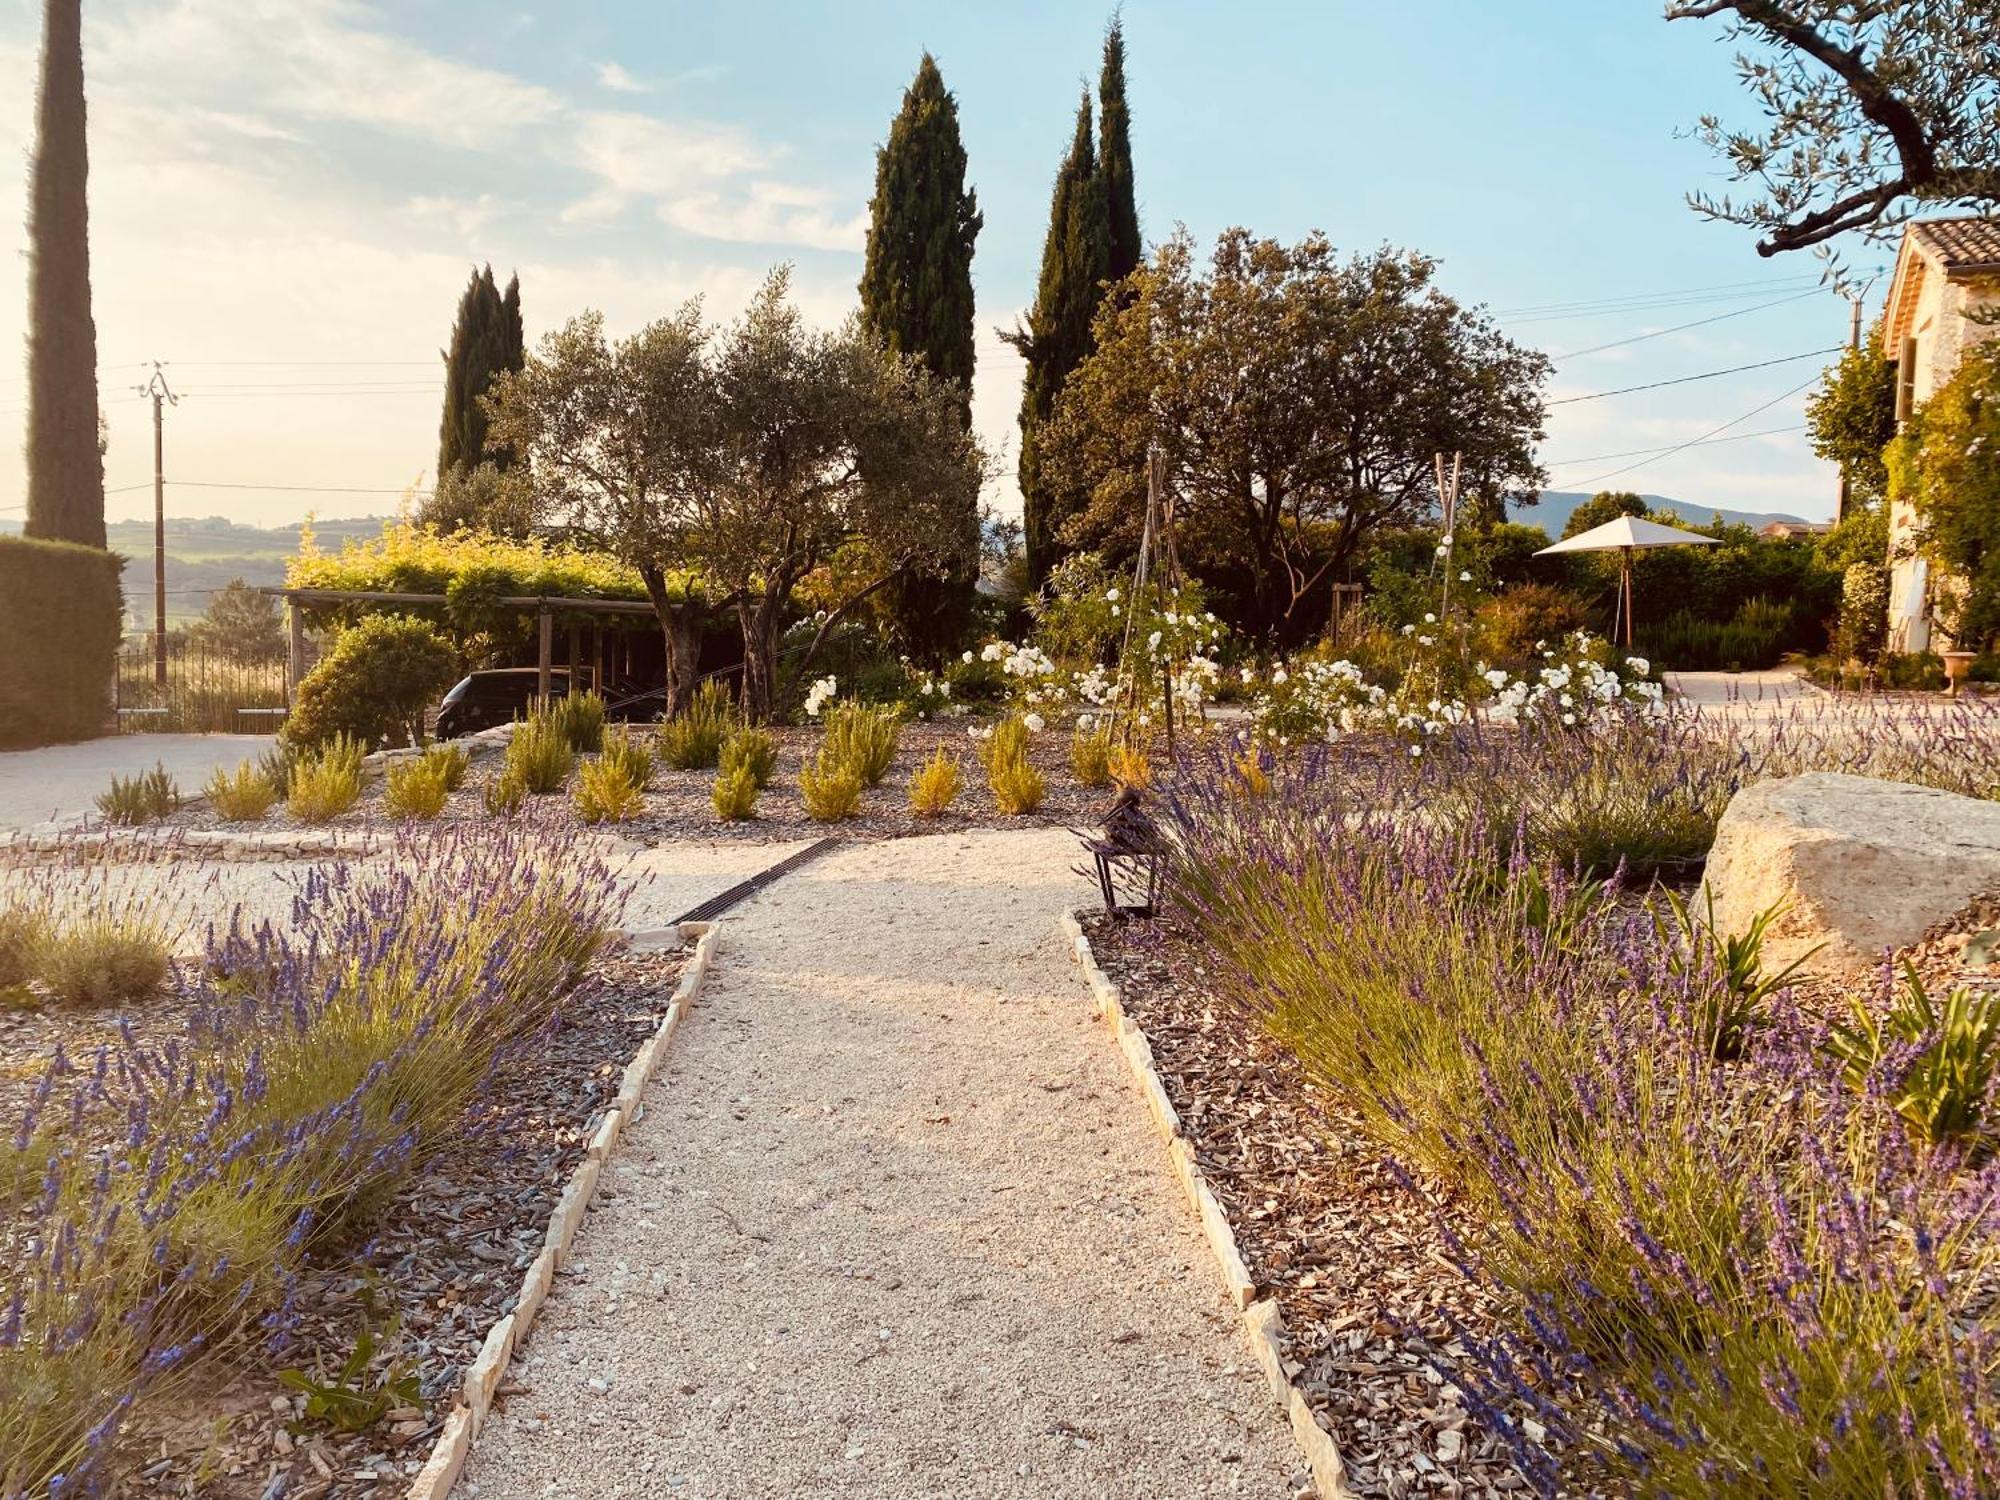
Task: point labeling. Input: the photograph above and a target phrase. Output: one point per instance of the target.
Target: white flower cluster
(1574, 688)
(819, 695)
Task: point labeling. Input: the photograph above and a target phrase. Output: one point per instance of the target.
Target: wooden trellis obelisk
(1156, 543)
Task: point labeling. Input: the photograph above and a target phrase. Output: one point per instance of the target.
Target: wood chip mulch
(445, 1261)
(1356, 1261)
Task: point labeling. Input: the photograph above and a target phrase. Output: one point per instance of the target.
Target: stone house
(1947, 270)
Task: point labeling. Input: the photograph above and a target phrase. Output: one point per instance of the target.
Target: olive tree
(1296, 400)
(729, 466)
(1871, 110)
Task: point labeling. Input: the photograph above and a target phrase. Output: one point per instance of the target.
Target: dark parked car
(504, 694)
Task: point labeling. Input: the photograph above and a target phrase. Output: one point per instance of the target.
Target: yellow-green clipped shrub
(935, 785)
(605, 795)
(416, 788)
(751, 749)
(140, 799)
(540, 755)
(863, 737)
(1129, 767)
(692, 739)
(581, 714)
(326, 782)
(736, 794)
(1017, 787)
(630, 755)
(504, 793)
(1090, 756)
(244, 795)
(1008, 742)
(831, 789)
(21, 931)
(450, 762)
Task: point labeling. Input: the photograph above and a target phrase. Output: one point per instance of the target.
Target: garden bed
(1357, 1263)
(678, 805)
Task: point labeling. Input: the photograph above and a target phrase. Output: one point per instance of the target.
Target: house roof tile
(1960, 244)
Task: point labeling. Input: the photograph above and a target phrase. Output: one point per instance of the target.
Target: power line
(1693, 442)
(1640, 338)
(1741, 437)
(1639, 302)
(1655, 385)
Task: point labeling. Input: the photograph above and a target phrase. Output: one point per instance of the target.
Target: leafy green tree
(916, 300)
(485, 340)
(1852, 418)
(750, 459)
(1114, 116)
(1296, 401)
(1871, 113)
(240, 625)
(374, 685)
(1606, 505)
(1947, 464)
(1076, 260)
(65, 450)
(489, 497)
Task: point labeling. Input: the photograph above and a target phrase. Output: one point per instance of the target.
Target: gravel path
(893, 1224)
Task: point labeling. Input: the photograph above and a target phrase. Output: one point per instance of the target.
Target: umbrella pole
(1625, 587)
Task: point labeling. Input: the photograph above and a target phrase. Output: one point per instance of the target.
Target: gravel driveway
(893, 1223)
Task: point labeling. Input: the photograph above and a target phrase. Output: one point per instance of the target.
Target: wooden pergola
(545, 607)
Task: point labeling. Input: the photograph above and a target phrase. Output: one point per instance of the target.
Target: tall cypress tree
(513, 352)
(481, 345)
(65, 460)
(1076, 258)
(916, 299)
(1115, 156)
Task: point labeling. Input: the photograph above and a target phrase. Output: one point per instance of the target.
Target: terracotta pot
(1957, 667)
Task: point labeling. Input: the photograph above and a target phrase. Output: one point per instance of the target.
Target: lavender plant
(159, 1198)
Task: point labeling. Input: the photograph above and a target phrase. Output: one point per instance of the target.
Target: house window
(1906, 381)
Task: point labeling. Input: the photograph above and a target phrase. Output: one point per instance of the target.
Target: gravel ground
(895, 1224)
(60, 782)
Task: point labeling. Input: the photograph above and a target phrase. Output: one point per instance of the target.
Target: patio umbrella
(1626, 535)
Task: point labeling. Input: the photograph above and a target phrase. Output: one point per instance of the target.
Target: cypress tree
(916, 299)
(65, 459)
(480, 344)
(513, 352)
(1076, 258)
(1115, 157)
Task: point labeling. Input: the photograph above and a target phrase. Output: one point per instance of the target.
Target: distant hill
(204, 553)
(1556, 507)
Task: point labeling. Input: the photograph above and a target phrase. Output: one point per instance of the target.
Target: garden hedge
(61, 618)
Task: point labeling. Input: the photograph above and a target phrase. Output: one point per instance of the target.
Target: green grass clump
(1090, 756)
(752, 749)
(735, 794)
(326, 781)
(692, 739)
(244, 795)
(581, 715)
(935, 785)
(417, 788)
(831, 788)
(102, 960)
(862, 737)
(605, 794)
(132, 800)
(540, 755)
(22, 929)
(630, 755)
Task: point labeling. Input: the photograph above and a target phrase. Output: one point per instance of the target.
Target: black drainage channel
(715, 906)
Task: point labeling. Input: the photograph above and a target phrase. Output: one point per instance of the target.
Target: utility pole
(1853, 342)
(157, 388)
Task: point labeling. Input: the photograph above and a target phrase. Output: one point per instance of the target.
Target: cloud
(769, 213)
(632, 157)
(615, 78)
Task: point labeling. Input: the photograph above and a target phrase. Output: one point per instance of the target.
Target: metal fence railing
(205, 692)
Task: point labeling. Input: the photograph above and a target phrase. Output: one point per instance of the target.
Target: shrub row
(61, 616)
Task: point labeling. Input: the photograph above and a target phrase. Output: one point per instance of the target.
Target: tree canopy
(1296, 400)
(1944, 464)
(240, 625)
(751, 457)
(1852, 418)
(1871, 113)
(486, 339)
(65, 442)
(1606, 505)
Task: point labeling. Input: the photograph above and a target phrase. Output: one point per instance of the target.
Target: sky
(287, 197)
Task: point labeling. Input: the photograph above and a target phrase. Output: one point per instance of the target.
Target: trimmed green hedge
(61, 617)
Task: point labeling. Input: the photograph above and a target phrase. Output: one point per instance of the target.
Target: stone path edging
(482, 1377)
(1263, 1323)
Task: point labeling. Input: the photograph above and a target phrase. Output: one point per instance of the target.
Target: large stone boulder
(1860, 865)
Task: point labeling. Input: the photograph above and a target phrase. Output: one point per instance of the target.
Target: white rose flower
(1111, 596)
(1430, 619)
(967, 658)
(1465, 577)
(1035, 723)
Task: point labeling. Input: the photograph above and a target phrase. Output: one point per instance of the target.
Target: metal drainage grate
(715, 906)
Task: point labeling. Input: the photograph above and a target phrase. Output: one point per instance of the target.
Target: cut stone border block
(1263, 1323)
(484, 1375)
